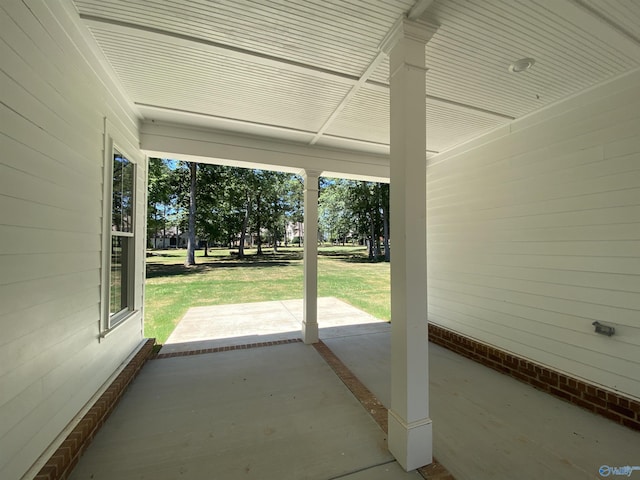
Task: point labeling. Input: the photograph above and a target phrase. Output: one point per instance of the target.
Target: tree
(191, 243)
(335, 216)
(210, 202)
(271, 205)
(384, 189)
(158, 197)
(357, 208)
(294, 199)
(220, 204)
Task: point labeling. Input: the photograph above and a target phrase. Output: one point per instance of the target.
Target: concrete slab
(265, 413)
(488, 426)
(226, 325)
(388, 471)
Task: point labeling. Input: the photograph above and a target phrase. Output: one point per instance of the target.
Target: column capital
(416, 30)
(311, 173)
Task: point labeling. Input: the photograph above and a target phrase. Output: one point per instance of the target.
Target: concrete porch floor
(280, 412)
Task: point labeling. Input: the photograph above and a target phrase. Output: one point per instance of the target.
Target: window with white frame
(122, 238)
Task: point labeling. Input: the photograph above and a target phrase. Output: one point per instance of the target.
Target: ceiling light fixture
(521, 65)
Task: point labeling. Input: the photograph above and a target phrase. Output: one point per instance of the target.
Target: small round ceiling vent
(521, 65)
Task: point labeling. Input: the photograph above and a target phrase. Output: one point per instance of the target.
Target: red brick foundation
(434, 471)
(228, 348)
(61, 463)
(609, 404)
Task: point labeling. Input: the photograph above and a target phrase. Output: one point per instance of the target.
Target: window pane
(118, 283)
(122, 208)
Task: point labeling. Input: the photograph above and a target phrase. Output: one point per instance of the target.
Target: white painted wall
(51, 172)
(534, 233)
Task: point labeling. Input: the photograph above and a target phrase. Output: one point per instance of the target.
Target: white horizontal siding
(535, 234)
(51, 182)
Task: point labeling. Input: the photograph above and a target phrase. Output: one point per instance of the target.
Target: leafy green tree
(158, 197)
(210, 194)
(294, 199)
(360, 209)
(222, 205)
(335, 216)
(272, 205)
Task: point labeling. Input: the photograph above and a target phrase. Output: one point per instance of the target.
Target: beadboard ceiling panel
(172, 77)
(311, 71)
(366, 117)
(367, 114)
(381, 75)
(469, 56)
(331, 34)
(447, 127)
(623, 14)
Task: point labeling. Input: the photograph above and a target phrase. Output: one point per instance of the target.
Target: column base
(411, 445)
(310, 333)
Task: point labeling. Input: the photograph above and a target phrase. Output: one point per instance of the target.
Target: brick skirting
(61, 463)
(609, 404)
(434, 471)
(227, 348)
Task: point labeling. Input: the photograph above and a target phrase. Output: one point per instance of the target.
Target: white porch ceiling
(311, 71)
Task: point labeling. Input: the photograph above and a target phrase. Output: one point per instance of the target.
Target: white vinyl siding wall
(52, 359)
(534, 233)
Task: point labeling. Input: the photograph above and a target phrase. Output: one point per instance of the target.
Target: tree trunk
(275, 239)
(259, 225)
(378, 219)
(243, 232)
(284, 234)
(371, 235)
(206, 249)
(385, 230)
(191, 243)
(164, 228)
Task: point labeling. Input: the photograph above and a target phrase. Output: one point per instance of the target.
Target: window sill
(116, 321)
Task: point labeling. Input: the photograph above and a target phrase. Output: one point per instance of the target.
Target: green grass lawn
(343, 272)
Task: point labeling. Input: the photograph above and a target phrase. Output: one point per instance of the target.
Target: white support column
(310, 299)
(410, 432)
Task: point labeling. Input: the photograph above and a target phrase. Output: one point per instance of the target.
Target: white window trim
(108, 322)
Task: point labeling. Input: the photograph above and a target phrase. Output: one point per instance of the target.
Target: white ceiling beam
(186, 142)
(163, 114)
(465, 108)
(592, 22)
